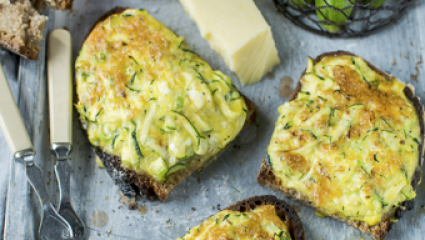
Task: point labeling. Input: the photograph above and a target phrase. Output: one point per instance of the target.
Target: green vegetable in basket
(376, 4)
(334, 15)
(301, 3)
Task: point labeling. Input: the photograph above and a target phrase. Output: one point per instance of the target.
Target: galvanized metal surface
(398, 50)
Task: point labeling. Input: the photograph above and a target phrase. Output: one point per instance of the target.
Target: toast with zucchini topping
(349, 143)
(153, 109)
(259, 217)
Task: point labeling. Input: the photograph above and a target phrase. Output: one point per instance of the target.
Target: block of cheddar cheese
(238, 32)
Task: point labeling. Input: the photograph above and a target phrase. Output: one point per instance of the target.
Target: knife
(52, 225)
(59, 77)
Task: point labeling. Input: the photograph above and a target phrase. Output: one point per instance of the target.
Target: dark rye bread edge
(57, 4)
(286, 213)
(131, 183)
(64, 5)
(267, 178)
(18, 49)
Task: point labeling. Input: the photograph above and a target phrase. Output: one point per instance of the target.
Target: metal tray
(230, 178)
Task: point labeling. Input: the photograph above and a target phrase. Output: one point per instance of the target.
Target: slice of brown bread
(131, 183)
(266, 176)
(283, 210)
(21, 28)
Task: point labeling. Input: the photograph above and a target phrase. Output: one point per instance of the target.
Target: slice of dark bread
(21, 28)
(285, 212)
(266, 176)
(131, 183)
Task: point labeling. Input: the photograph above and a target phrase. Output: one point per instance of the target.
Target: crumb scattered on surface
(420, 61)
(132, 205)
(125, 200)
(142, 210)
(193, 209)
(287, 80)
(100, 219)
(394, 63)
(270, 75)
(285, 89)
(167, 220)
(415, 76)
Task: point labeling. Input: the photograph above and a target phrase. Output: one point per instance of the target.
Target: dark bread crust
(286, 213)
(57, 5)
(18, 49)
(132, 183)
(266, 176)
(64, 5)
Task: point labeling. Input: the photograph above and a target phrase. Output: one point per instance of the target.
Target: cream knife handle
(59, 77)
(10, 118)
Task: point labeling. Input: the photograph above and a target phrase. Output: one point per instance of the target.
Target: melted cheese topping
(261, 223)
(146, 97)
(349, 141)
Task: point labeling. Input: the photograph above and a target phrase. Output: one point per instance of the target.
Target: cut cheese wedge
(238, 32)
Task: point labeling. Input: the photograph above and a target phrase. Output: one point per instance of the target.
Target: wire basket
(343, 18)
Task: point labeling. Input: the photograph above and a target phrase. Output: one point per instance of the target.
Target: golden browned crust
(267, 178)
(286, 213)
(132, 183)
